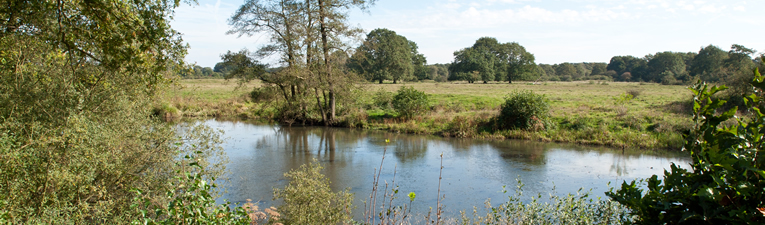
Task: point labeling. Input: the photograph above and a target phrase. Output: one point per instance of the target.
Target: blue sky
(555, 31)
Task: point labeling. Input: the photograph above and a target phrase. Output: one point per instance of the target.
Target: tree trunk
(381, 81)
(325, 47)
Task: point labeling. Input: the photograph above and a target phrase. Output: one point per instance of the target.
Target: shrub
(383, 99)
(725, 183)
(192, 201)
(409, 102)
(634, 92)
(308, 198)
(260, 94)
(524, 110)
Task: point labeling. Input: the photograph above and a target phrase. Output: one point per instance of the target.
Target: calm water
(474, 170)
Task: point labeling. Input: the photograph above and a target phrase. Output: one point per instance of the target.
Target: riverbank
(584, 112)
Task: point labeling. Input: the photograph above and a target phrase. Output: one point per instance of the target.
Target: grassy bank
(585, 112)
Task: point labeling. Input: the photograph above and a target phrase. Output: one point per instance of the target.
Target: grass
(208, 97)
(584, 112)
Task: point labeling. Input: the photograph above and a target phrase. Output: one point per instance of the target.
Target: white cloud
(560, 31)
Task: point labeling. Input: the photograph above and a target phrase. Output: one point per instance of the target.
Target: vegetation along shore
(619, 114)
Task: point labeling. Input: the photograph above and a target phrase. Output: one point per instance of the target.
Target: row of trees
(572, 71)
(196, 72)
(710, 64)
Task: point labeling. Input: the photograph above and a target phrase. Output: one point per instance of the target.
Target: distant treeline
(385, 55)
(199, 72)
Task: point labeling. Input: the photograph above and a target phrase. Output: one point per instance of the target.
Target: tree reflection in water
(260, 155)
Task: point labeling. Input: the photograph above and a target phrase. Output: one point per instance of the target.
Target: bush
(524, 110)
(259, 94)
(383, 99)
(308, 198)
(725, 183)
(634, 92)
(409, 102)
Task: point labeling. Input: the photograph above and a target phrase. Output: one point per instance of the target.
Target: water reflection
(474, 170)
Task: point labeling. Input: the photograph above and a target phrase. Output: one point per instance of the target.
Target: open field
(586, 112)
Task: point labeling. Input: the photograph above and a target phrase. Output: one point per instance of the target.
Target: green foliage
(410, 102)
(577, 208)
(383, 99)
(493, 61)
(524, 110)
(77, 80)
(724, 185)
(191, 201)
(308, 198)
(623, 98)
(385, 55)
(263, 94)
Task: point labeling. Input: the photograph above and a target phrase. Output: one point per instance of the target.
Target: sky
(555, 31)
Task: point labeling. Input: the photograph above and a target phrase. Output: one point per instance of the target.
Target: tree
(737, 70)
(517, 62)
(468, 60)
(665, 62)
(78, 137)
(385, 55)
(565, 69)
(332, 27)
(419, 62)
(636, 66)
(598, 69)
(708, 63)
(494, 61)
(309, 31)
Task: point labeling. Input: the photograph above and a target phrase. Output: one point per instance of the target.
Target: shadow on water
(474, 170)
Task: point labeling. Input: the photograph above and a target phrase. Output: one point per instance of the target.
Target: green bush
(409, 102)
(308, 198)
(192, 201)
(725, 183)
(524, 110)
(383, 99)
(260, 94)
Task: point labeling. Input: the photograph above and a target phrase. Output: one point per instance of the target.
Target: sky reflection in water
(474, 170)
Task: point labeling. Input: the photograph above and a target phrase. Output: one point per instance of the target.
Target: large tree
(305, 34)
(493, 61)
(517, 62)
(665, 64)
(385, 55)
(471, 61)
(708, 63)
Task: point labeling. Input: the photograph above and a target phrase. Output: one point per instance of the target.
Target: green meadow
(618, 114)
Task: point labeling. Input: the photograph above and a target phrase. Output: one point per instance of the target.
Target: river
(473, 170)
